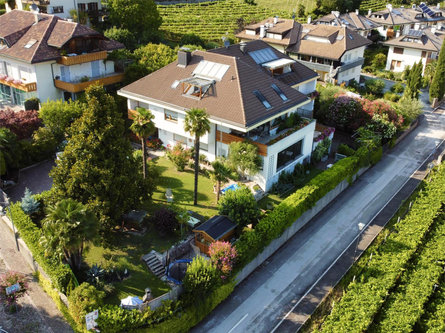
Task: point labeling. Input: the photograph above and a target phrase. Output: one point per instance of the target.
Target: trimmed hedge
(59, 273)
(363, 299)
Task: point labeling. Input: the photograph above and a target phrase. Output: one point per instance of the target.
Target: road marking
(245, 316)
(353, 241)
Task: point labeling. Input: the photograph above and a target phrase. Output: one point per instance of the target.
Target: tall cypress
(437, 88)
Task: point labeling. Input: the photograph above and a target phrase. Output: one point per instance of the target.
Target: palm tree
(221, 173)
(197, 123)
(143, 127)
(67, 226)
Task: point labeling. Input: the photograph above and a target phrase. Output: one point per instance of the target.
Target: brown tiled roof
(232, 100)
(18, 28)
(429, 41)
(288, 28)
(300, 73)
(341, 39)
(396, 16)
(351, 20)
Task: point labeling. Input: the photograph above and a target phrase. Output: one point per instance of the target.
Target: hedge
(434, 319)
(364, 297)
(59, 273)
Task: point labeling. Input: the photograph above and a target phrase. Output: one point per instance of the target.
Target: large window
(171, 115)
(57, 9)
(289, 155)
(5, 93)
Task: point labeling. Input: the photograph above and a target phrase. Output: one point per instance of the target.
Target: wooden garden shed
(218, 227)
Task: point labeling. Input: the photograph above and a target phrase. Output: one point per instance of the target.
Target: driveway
(36, 178)
(261, 301)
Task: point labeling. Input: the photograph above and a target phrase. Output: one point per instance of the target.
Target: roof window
(262, 99)
(279, 92)
(30, 43)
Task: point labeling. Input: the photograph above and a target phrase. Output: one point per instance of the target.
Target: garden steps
(154, 264)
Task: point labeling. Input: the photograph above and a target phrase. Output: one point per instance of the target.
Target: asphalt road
(260, 302)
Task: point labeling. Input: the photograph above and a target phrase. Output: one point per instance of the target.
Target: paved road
(259, 303)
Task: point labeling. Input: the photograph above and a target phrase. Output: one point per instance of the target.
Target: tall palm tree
(143, 127)
(221, 173)
(198, 124)
(67, 226)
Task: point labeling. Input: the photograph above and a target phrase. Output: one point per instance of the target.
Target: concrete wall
(173, 295)
(296, 226)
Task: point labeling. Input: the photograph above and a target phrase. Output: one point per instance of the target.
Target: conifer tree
(414, 81)
(437, 88)
(29, 204)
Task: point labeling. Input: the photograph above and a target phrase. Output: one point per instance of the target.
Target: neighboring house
(217, 228)
(353, 20)
(62, 8)
(398, 21)
(335, 53)
(46, 57)
(246, 90)
(417, 45)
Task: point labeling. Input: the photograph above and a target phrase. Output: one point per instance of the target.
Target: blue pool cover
(230, 188)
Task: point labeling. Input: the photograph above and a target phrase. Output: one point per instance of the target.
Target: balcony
(18, 84)
(351, 64)
(82, 58)
(75, 87)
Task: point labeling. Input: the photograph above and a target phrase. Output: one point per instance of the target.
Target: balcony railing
(82, 58)
(75, 87)
(229, 138)
(316, 66)
(18, 84)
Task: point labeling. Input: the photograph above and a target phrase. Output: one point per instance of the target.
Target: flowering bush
(346, 113)
(154, 144)
(21, 123)
(179, 156)
(325, 134)
(223, 256)
(382, 109)
(7, 280)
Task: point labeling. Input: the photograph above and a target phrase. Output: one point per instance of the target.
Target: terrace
(82, 84)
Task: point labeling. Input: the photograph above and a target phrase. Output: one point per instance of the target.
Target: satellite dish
(34, 8)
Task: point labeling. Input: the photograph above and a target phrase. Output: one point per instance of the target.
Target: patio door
(65, 73)
(5, 93)
(95, 68)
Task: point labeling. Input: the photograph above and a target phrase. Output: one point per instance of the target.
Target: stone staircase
(154, 264)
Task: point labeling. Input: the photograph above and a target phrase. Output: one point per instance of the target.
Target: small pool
(230, 188)
(176, 270)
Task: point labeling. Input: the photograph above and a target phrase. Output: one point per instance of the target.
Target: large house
(335, 53)
(46, 57)
(61, 8)
(247, 89)
(416, 45)
(353, 20)
(398, 21)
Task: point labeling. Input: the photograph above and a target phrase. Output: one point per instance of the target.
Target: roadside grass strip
(405, 305)
(364, 297)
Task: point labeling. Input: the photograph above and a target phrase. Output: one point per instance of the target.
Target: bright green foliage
(155, 56)
(321, 150)
(97, 167)
(434, 318)
(381, 125)
(29, 204)
(201, 278)
(379, 61)
(84, 299)
(414, 81)
(375, 86)
(179, 156)
(197, 124)
(221, 173)
(364, 298)
(59, 115)
(240, 206)
(66, 227)
(437, 88)
(398, 88)
(123, 36)
(430, 70)
(138, 16)
(143, 126)
(243, 157)
(409, 108)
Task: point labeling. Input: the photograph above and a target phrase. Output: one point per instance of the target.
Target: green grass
(128, 249)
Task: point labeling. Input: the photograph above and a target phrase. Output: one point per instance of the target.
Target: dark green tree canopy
(243, 157)
(437, 89)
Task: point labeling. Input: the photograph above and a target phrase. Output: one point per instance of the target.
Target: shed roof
(217, 226)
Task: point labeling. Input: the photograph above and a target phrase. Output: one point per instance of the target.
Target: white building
(46, 57)
(247, 90)
(61, 8)
(417, 45)
(335, 53)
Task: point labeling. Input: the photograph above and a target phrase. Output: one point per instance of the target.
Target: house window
(289, 155)
(171, 116)
(82, 7)
(57, 9)
(92, 7)
(179, 138)
(398, 50)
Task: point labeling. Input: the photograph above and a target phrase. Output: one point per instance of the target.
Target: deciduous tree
(243, 157)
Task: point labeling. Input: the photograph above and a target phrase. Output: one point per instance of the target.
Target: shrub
(389, 96)
(379, 61)
(191, 39)
(409, 109)
(29, 204)
(398, 88)
(201, 277)
(21, 123)
(32, 104)
(240, 206)
(179, 156)
(7, 280)
(165, 220)
(346, 113)
(84, 299)
(321, 150)
(345, 150)
(123, 36)
(382, 126)
(374, 86)
(223, 256)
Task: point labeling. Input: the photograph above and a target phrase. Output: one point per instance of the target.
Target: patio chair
(169, 195)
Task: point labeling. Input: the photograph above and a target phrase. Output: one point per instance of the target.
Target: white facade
(61, 8)
(350, 57)
(397, 62)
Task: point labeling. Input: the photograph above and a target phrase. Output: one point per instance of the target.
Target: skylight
(210, 70)
(262, 99)
(279, 92)
(263, 55)
(30, 43)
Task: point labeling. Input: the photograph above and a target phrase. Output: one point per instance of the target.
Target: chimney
(243, 47)
(309, 19)
(413, 6)
(369, 12)
(335, 13)
(397, 33)
(438, 5)
(275, 20)
(433, 30)
(262, 31)
(389, 6)
(184, 57)
(357, 12)
(35, 10)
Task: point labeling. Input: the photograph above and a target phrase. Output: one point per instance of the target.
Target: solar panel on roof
(263, 55)
(414, 33)
(427, 10)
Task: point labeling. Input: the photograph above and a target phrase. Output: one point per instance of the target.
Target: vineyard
(211, 20)
(374, 5)
(400, 286)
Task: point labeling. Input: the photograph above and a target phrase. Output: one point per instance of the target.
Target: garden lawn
(182, 185)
